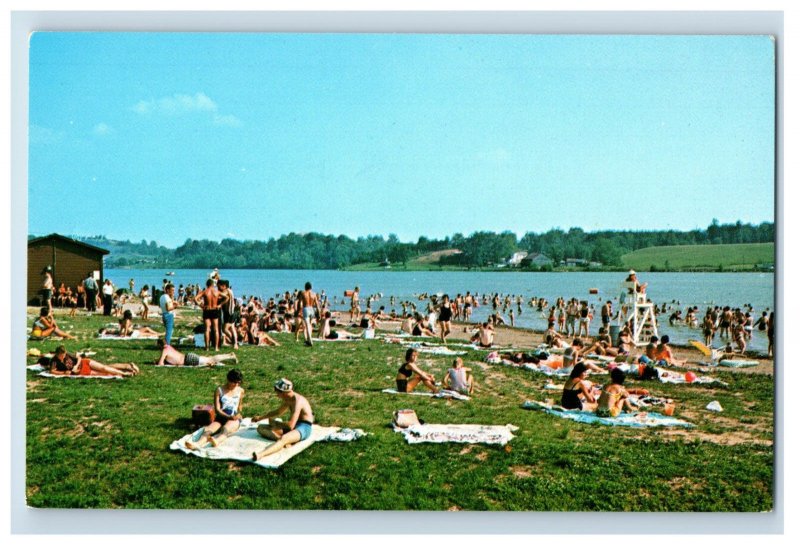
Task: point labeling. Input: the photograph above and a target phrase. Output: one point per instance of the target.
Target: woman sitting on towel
(45, 325)
(409, 375)
(614, 397)
(578, 391)
(127, 329)
(228, 413)
(553, 338)
(67, 364)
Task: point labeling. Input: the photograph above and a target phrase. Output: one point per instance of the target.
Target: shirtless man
(310, 304)
(208, 299)
(227, 303)
(297, 429)
(170, 356)
(485, 335)
(355, 309)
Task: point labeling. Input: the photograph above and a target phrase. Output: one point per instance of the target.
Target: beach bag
(405, 418)
(649, 373)
(202, 415)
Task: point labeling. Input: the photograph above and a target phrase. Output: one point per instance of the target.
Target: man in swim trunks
(227, 302)
(208, 299)
(171, 356)
(297, 429)
(310, 304)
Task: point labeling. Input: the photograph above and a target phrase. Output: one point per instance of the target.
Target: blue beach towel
(632, 420)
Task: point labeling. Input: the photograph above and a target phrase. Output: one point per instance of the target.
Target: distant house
(575, 262)
(70, 260)
(536, 260)
(516, 259)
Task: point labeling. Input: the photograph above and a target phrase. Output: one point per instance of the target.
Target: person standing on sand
(310, 303)
(47, 288)
(168, 305)
(208, 299)
(445, 315)
(355, 309)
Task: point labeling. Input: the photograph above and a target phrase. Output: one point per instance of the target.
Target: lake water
(686, 289)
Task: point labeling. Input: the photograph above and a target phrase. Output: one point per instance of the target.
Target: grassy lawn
(712, 257)
(104, 443)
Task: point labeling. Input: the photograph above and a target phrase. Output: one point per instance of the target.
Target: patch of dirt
(77, 431)
(234, 466)
(682, 482)
(466, 450)
(38, 400)
(316, 469)
(353, 393)
(32, 385)
(454, 508)
(728, 438)
(521, 472)
(482, 456)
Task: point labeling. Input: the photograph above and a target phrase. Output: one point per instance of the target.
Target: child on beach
(614, 397)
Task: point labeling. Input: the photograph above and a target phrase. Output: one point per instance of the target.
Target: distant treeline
(480, 249)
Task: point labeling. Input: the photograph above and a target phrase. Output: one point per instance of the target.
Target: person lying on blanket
(45, 325)
(228, 413)
(127, 329)
(409, 375)
(326, 331)
(286, 433)
(459, 378)
(578, 391)
(67, 364)
(574, 354)
(614, 397)
(171, 356)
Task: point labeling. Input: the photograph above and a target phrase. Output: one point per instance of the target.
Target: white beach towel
(441, 394)
(45, 373)
(241, 445)
(133, 337)
(458, 433)
(738, 363)
(633, 420)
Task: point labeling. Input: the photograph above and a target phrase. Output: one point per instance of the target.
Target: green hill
(702, 257)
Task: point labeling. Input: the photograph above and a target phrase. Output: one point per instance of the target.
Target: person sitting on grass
(63, 363)
(578, 391)
(553, 338)
(171, 356)
(663, 354)
(459, 378)
(228, 413)
(614, 397)
(127, 329)
(297, 429)
(45, 325)
(422, 328)
(409, 375)
(484, 336)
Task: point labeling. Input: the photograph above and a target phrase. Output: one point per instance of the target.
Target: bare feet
(190, 445)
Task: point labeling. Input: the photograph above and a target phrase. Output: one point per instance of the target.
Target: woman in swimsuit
(228, 412)
(409, 375)
(614, 397)
(67, 364)
(445, 315)
(144, 294)
(578, 387)
(45, 325)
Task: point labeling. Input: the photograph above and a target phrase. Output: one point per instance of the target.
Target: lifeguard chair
(638, 310)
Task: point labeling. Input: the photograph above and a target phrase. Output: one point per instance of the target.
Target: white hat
(284, 385)
(631, 271)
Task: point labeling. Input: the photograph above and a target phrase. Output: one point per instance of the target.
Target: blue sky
(173, 136)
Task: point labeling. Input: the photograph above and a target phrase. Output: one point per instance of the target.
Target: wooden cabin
(70, 260)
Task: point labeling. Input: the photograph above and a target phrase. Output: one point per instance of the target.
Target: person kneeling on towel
(284, 434)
